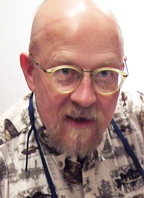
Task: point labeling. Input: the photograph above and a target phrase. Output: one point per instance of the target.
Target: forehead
(68, 31)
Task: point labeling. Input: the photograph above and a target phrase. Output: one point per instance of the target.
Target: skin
(85, 34)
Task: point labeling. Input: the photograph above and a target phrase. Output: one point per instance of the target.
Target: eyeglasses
(65, 78)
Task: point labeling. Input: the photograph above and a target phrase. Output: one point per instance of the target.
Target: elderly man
(62, 140)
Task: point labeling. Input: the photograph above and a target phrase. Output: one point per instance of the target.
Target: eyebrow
(61, 60)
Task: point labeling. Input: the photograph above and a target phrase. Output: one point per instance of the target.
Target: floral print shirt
(108, 172)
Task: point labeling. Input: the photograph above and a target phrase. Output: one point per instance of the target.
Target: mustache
(76, 111)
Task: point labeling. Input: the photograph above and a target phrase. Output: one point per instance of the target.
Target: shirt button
(60, 164)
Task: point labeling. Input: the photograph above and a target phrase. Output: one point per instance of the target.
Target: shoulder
(129, 113)
(130, 102)
(15, 120)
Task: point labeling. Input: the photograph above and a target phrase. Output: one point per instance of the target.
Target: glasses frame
(81, 72)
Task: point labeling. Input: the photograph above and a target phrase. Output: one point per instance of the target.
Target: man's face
(76, 121)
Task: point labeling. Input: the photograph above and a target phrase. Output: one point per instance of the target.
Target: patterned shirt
(108, 172)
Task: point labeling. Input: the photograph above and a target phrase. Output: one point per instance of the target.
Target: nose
(84, 95)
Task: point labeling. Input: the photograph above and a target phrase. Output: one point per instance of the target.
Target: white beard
(75, 141)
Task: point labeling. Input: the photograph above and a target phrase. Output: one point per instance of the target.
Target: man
(59, 141)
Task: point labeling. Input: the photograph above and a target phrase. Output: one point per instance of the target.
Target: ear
(27, 68)
(125, 58)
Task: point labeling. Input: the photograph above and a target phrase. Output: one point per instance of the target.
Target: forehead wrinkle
(54, 31)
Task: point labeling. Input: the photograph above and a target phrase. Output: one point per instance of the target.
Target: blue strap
(128, 148)
(48, 177)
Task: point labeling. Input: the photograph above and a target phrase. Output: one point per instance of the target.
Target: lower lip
(80, 124)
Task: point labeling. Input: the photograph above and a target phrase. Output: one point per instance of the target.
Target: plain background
(15, 25)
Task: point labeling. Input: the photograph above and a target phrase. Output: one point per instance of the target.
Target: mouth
(79, 121)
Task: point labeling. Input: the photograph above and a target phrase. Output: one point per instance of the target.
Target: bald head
(56, 16)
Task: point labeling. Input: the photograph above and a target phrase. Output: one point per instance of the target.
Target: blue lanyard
(48, 177)
(32, 119)
(128, 148)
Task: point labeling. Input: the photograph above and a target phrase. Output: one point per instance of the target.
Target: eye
(65, 71)
(66, 74)
(105, 73)
(64, 77)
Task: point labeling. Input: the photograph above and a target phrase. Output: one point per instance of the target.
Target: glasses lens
(107, 81)
(65, 79)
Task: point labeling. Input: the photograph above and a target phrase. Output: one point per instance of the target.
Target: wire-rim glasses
(65, 78)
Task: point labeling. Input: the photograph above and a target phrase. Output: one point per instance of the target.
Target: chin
(80, 142)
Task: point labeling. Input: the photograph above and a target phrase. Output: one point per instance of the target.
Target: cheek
(48, 101)
(108, 105)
